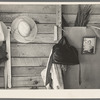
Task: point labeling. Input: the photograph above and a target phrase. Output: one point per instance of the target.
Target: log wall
(28, 60)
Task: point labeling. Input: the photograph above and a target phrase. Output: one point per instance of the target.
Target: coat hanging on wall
(62, 54)
(3, 36)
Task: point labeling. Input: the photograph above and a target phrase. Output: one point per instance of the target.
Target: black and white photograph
(89, 44)
(49, 46)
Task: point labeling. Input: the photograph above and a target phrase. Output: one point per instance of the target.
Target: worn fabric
(64, 53)
(3, 31)
(3, 53)
(56, 80)
(52, 75)
(56, 75)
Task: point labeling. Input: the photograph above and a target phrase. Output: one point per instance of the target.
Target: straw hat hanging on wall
(24, 29)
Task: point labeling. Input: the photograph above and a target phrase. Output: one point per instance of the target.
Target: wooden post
(59, 21)
(8, 62)
(5, 76)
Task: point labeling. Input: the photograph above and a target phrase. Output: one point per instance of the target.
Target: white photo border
(50, 94)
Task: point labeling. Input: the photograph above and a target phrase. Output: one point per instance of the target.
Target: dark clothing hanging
(63, 54)
(3, 53)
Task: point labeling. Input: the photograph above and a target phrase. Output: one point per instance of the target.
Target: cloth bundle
(52, 75)
(62, 54)
(3, 53)
(3, 36)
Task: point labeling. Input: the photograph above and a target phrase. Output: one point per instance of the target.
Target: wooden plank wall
(69, 13)
(90, 64)
(28, 60)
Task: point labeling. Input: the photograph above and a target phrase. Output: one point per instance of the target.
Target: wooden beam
(39, 18)
(39, 9)
(27, 87)
(72, 9)
(27, 81)
(35, 50)
(40, 38)
(8, 62)
(59, 21)
(5, 76)
(29, 62)
(95, 19)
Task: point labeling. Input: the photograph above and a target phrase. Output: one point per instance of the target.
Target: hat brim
(18, 36)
